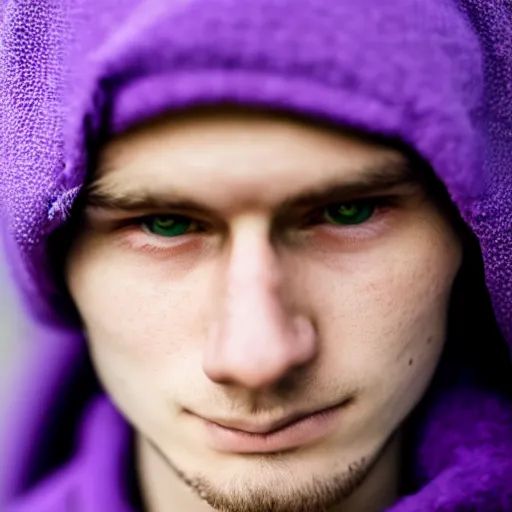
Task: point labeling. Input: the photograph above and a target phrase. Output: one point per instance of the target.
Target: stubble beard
(318, 495)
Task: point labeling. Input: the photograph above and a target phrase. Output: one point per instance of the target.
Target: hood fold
(435, 74)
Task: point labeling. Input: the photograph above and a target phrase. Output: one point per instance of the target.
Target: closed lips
(272, 427)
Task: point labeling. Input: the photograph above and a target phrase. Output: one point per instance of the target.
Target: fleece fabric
(434, 74)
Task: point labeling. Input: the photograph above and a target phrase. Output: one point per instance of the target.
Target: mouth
(283, 434)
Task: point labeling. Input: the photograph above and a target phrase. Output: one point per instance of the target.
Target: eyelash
(378, 205)
(313, 219)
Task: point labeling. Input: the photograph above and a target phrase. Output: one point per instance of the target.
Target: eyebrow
(387, 175)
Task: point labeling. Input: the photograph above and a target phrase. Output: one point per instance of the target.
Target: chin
(278, 482)
(319, 475)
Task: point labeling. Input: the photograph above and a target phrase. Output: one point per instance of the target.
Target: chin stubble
(319, 495)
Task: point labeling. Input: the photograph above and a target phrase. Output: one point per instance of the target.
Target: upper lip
(254, 427)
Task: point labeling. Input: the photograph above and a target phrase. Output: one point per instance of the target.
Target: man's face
(246, 269)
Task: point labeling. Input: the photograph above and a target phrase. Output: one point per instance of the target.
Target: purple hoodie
(436, 74)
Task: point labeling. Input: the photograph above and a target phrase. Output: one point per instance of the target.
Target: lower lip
(303, 432)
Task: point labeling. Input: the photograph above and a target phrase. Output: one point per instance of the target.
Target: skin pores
(243, 268)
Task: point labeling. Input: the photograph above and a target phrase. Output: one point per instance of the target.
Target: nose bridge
(253, 302)
(258, 338)
(253, 266)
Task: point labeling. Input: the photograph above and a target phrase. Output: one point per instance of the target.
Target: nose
(257, 338)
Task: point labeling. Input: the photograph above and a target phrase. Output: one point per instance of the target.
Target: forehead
(244, 151)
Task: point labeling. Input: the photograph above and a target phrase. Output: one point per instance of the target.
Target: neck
(163, 490)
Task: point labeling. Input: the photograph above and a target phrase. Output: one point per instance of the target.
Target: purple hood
(436, 74)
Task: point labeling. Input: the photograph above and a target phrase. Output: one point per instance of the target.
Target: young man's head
(237, 271)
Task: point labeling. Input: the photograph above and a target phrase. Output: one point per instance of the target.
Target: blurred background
(13, 330)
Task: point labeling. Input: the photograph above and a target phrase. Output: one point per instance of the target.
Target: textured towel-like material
(436, 74)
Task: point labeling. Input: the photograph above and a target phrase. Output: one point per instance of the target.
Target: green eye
(168, 226)
(349, 213)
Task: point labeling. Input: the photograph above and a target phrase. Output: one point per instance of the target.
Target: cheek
(386, 329)
(143, 327)
(383, 314)
(135, 306)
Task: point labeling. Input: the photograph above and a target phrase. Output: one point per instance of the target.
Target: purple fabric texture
(436, 74)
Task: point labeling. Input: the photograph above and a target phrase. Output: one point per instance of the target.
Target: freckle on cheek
(411, 361)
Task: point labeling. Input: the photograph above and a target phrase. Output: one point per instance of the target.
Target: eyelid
(301, 219)
(148, 217)
(136, 238)
(379, 203)
(195, 226)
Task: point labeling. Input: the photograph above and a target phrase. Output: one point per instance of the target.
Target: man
(257, 294)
